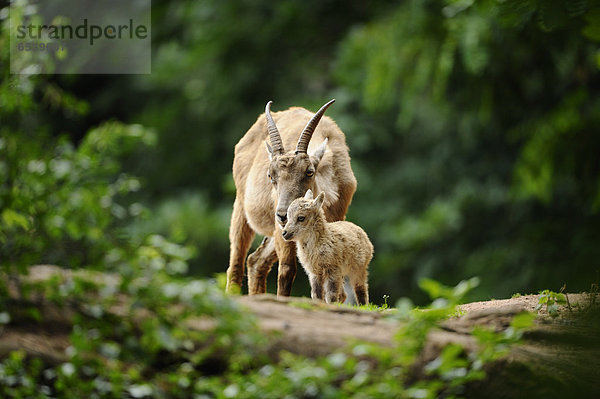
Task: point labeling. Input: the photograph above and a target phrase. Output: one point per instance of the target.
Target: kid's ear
(308, 195)
(269, 150)
(320, 151)
(318, 202)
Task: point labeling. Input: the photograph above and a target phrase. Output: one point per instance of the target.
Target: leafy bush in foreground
(134, 337)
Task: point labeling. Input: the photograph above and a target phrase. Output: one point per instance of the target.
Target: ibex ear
(308, 195)
(320, 151)
(318, 202)
(269, 150)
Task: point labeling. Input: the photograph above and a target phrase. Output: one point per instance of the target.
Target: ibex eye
(310, 173)
(301, 218)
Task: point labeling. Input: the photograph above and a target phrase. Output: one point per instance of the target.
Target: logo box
(80, 37)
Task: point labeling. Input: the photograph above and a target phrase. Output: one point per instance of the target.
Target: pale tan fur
(329, 251)
(258, 199)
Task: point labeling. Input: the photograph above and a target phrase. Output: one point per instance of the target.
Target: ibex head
(293, 173)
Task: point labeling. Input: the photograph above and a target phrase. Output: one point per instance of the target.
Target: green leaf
(13, 218)
(522, 320)
(465, 286)
(433, 288)
(34, 314)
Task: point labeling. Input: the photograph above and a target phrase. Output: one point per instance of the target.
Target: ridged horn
(308, 131)
(274, 135)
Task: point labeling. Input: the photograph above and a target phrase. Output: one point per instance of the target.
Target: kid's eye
(310, 173)
(301, 218)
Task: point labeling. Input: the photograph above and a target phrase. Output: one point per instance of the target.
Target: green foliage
(454, 295)
(420, 322)
(145, 333)
(551, 300)
(373, 307)
(60, 202)
(189, 220)
(70, 204)
(474, 118)
(18, 378)
(454, 368)
(494, 345)
(138, 336)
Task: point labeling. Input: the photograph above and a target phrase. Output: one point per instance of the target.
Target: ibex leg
(240, 238)
(333, 289)
(316, 286)
(259, 265)
(286, 253)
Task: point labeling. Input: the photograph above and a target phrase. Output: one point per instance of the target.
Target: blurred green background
(473, 128)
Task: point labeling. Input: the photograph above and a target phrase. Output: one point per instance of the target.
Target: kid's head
(301, 214)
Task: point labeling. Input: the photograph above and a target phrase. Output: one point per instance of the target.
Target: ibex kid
(329, 252)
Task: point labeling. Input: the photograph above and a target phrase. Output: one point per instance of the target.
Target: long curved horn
(274, 135)
(308, 131)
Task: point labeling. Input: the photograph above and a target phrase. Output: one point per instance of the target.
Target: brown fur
(257, 199)
(329, 251)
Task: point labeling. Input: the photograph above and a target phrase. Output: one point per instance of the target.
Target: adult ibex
(267, 181)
